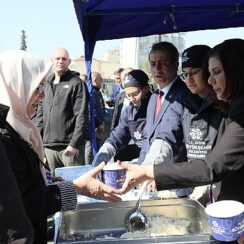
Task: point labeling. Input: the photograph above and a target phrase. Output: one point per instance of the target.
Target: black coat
(117, 109)
(224, 163)
(99, 107)
(39, 200)
(14, 223)
(62, 117)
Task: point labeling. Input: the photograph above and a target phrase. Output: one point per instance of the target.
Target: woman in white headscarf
(22, 82)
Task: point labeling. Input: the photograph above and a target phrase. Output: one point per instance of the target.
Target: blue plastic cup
(113, 175)
(226, 219)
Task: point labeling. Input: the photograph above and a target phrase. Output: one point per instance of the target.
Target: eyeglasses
(133, 95)
(189, 74)
(40, 88)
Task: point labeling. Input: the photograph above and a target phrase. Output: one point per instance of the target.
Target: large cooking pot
(104, 222)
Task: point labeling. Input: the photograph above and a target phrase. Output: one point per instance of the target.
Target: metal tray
(104, 222)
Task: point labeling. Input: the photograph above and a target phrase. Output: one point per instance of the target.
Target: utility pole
(23, 44)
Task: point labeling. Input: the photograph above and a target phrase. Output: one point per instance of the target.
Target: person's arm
(241, 240)
(90, 186)
(160, 151)
(136, 174)
(87, 185)
(40, 200)
(105, 153)
(223, 161)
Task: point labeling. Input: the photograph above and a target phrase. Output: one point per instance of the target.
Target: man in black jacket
(64, 112)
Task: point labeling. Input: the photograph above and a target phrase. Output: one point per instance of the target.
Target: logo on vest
(137, 135)
(196, 134)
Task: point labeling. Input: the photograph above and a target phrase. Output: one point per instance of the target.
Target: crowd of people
(187, 137)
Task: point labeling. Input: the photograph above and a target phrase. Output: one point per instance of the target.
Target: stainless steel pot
(105, 222)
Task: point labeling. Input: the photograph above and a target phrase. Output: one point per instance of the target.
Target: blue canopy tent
(113, 19)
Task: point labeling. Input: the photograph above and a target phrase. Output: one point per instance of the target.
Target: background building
(106, 68)
(134, 51)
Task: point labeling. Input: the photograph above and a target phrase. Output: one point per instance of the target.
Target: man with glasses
(164, 133)
(132, 121)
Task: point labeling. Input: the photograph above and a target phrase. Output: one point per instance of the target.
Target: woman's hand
(136, 174)
(241, 240)
(90, 186)
(199, 192)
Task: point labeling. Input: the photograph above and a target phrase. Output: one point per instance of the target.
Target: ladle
(136, 220)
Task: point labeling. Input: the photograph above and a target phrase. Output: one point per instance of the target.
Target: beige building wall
(106, 68)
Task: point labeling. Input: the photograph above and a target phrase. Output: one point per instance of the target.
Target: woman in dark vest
(201, 120)
(132, 121)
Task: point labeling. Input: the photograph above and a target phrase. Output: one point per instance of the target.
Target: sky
(50, 24)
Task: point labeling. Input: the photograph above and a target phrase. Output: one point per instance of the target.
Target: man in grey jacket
(63, 115)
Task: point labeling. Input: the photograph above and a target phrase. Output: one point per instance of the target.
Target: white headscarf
(20, 74)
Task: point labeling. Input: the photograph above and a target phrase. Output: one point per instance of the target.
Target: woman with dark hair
(225, 162)
(201, 120)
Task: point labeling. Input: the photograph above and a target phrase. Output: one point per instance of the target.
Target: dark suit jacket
(117, 109)
(167, 125)
(39, 200)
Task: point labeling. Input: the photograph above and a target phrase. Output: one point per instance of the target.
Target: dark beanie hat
(194, 56)
(135, 78)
